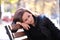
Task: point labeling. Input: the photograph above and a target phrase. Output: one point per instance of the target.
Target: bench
(12, 32)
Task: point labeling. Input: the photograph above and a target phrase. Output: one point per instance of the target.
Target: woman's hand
(24, 25)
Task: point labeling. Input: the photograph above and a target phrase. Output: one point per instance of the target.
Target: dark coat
(44, 29)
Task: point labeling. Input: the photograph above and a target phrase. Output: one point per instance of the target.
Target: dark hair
(18, 15)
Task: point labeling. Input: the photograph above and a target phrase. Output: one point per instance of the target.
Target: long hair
(18, 15)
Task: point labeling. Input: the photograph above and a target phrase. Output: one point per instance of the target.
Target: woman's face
(28, 18)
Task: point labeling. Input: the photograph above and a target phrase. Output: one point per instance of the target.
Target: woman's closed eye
(27, 18)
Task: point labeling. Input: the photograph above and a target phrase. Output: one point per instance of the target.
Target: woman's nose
(29, 19)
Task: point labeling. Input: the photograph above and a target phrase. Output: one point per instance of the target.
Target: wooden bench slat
(26, 39)
(18, 34)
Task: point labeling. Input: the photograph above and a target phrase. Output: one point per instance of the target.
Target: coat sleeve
(55, 31)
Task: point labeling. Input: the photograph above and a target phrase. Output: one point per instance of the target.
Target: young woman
(36, 27)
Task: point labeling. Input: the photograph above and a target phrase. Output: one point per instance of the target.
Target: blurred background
(50, 8)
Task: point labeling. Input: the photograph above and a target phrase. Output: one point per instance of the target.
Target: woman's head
(23, 15)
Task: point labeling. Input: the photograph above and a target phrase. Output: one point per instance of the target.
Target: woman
(36, 28)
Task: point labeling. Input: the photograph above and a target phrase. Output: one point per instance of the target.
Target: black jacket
(44, 29)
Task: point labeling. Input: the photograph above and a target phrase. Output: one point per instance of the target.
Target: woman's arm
(24, 25)
(52, 27)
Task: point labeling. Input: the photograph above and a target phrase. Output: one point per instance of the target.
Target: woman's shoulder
(41, 16)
